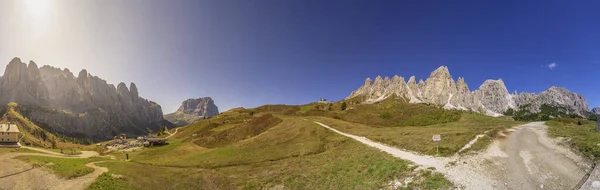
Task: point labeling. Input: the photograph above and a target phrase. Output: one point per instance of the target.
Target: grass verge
(107, 182)
(583, 137)
(15, 150)
(67, 151)
(63, 167)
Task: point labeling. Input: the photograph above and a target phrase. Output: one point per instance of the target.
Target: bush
(344, 106)
(509, 112)
(336, 117)
(386, 115)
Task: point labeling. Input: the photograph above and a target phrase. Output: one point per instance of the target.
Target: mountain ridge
(192, 110)
(491, 97)
(82, 105)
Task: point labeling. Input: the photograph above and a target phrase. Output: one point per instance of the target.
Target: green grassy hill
(32, 134)
(393, 111)
(276, 146)
(257, 148)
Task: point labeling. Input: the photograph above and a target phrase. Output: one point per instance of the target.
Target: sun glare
(37, 8)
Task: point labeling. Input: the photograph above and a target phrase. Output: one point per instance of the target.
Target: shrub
(509, 112)
(386, 115)
(344, 106)
(336, 117)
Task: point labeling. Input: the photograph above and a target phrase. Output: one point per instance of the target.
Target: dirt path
(176, 129)
(526, 159)
(534, 161)
(16, 174)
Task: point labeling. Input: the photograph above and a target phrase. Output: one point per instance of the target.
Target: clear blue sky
(249, 53)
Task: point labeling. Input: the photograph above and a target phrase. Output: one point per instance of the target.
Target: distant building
(322, 100)
(9, 134)
(152, 141)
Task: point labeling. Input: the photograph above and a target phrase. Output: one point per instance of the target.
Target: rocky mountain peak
(596, 110)
(460, 80)
(15, 60)
(192, 110)
(122, 90)
(34, 72)
(491, 98)
(494, 96)
(85, 106)
(15, 71)
(134, 90)
(441, 72)
(412, 81)
(32, 65)
(378, 80)
(83, 74)
(368, 82)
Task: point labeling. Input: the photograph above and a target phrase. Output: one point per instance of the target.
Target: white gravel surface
(525, 159)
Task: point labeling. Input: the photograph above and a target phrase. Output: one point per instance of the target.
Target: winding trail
(526, 159)
(16, 174)
(176, 129)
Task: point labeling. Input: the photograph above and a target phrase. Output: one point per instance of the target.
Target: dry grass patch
(455, 135)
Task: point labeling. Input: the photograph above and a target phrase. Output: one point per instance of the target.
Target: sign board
(437, 138)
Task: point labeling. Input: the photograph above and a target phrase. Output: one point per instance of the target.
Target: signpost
(436, 139)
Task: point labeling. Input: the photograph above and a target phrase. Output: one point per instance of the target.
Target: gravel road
(534, 161)
(16, 174)
(526, 159)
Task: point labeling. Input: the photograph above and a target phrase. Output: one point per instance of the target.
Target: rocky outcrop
(85, 106)
(491, 98)
(556, 96)
(494, 96)
(192, 110)
(596, 110)
(439, 87)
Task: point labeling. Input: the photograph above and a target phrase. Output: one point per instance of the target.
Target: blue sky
(250, 53)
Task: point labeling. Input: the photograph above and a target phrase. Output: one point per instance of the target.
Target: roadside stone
(117, 176)
(596, 184)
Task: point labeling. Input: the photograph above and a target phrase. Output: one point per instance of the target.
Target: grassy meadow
(418, 138)
(250, 149)
(582, 137)
(63, 167)
(273, 146)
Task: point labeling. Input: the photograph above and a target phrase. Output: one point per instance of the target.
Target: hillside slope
(254, 149)
(34, 135)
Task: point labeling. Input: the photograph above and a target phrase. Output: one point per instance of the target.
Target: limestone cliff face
(491, 98)
(596, 110)
(494, 96)
(556, 96)
(83, 106)
(439, 87)
(192, 110)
